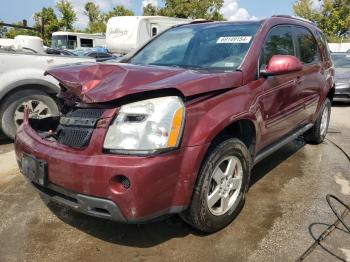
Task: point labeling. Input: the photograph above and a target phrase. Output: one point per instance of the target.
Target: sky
(17, 10)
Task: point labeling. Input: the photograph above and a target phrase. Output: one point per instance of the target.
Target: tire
(202, 213)
(13, 106)
(318, 132)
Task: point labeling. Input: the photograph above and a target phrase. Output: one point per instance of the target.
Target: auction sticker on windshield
(234, 40)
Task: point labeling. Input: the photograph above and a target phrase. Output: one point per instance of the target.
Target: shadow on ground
(148, 235)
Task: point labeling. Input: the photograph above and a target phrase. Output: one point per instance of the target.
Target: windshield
(207, 46)
(341, 61)
(64, 42)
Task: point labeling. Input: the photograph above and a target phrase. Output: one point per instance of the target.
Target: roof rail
(295, 17)
(200, 21)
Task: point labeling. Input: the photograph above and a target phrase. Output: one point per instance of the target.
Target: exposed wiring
(329, 230)
(340, 217)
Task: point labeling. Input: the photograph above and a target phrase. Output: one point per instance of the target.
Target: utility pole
(42, 29)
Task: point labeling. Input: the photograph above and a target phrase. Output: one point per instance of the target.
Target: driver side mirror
(282, 64)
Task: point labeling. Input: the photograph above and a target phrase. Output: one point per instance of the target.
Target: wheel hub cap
(37, 110)
(225, 185)
(324, 121)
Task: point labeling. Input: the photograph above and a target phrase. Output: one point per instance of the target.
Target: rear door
(281, 106)
(312, 78)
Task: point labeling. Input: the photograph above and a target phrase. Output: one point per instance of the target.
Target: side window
(84, 42)
(307, 46)
(72, 42)
(154, 31)
(278, 42)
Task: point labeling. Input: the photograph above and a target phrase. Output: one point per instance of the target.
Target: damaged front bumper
(93, 182)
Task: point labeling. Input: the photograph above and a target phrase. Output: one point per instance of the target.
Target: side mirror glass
(282, 64)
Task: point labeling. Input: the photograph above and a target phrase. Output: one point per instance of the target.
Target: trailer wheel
(12, 109)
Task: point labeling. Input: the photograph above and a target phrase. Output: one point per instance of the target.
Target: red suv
(178, 126)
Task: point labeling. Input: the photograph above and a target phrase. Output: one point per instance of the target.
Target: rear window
(322, 42)
(307, 46)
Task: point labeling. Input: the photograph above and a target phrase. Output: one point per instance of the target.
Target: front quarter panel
(206, 119)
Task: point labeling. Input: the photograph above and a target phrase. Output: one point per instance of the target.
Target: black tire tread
(313, 136)
(197, 219)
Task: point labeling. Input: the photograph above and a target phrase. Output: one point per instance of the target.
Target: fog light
(119, 184)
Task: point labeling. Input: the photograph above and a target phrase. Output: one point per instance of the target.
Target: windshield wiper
(179, 66)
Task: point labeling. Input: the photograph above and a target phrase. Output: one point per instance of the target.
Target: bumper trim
(98, 207)
(93, 206)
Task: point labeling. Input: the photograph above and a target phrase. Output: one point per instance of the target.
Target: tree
(67, 14)
(51, 23)
(150, 10)
(96, 18)
(92, 11)
(333, 16)
(195, 9)
(119, 10)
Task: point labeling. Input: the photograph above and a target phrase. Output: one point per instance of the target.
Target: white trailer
(127, 33)
(71, 40)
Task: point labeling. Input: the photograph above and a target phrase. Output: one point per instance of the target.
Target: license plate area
(35, 170)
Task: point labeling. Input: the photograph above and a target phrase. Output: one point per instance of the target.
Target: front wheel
(221, 185)
(318, 132)
(40, 105)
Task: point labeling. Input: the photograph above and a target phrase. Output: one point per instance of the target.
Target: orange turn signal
(175, 128)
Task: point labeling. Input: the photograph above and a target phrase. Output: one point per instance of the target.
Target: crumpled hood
(103, 82)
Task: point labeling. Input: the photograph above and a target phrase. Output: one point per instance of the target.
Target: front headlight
(147, 126)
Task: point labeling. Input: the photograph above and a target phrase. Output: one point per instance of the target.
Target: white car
(22, 82)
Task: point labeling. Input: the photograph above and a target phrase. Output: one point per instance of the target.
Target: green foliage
(150, 10)
(333, 17)
(96, 18)
(119, 10)
(67, 14)
(51, 23)
(195, 9)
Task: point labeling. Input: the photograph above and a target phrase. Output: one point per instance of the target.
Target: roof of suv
(274, 17)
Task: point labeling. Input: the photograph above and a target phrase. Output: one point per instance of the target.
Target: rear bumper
(86, 180)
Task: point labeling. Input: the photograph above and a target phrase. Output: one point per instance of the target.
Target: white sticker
(229, 64)
(234, 40)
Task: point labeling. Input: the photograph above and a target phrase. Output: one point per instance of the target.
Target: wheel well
(244, 130)
(330, 94)
(36, 87)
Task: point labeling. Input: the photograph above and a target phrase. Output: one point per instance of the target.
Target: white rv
(71, 40)
(127, 33)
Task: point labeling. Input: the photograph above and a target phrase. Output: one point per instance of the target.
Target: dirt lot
(284, 210)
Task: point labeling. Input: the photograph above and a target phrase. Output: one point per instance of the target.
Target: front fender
(206, 119)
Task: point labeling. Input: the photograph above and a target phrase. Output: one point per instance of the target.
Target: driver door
(281, 110)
